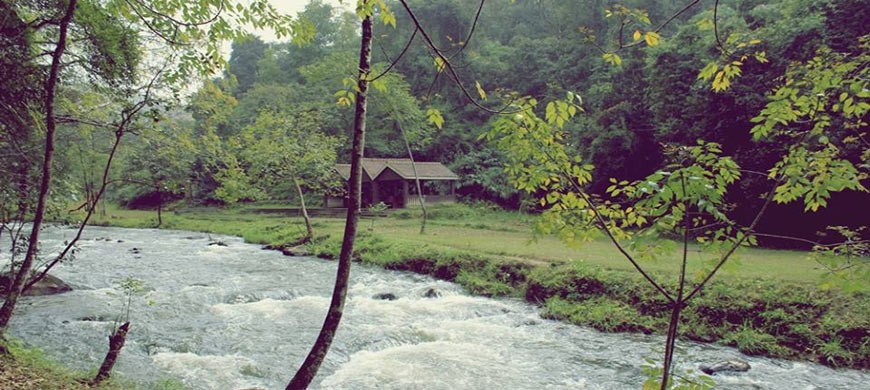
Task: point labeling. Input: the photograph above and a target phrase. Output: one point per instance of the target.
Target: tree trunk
(116, 342)
(416, 178)
(309, 229)
(159, 207)
(673, 325)
(17, 286)
(315, 357)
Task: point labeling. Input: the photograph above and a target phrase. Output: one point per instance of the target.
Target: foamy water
(237, 317)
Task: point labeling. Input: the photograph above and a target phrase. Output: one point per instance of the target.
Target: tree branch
(449, 66)
(127, 118)
(399, 58)
(471, 32)
(179, 22)
(663, 24)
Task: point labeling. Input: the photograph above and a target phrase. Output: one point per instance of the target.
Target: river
(237, 316)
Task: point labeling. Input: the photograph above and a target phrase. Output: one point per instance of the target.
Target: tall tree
(246, 53)
(17, 287)
(106, 51)
(289, 147)
(366, 9)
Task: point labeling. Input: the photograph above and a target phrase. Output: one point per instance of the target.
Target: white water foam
(216, 372)
(417, 366)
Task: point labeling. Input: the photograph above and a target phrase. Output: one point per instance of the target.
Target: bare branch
(154, 29)
(449, 66)
(811, 242)
(399, 58)
(663, 24)
(464, 44)
(127, 117)
(716, 29)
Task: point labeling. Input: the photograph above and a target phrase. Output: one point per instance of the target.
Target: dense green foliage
(668, 94)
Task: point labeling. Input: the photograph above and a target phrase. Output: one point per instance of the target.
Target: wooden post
(376, 195)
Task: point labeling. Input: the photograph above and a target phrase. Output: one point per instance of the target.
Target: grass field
(27, 369)
(490, 232)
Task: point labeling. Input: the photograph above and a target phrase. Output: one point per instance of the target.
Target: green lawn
(27, 369)
(494, 233)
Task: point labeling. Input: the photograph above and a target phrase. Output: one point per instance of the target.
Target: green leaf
(480, 91)
(439, 64)
(652, 38)
(612, 58)
(708, 71)
(435, 117)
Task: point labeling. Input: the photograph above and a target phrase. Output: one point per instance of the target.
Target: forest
(730, 97)
(220, 142)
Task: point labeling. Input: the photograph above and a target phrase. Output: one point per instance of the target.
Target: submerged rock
(299, 250)
(49, 285)
(385, 296)
(734, 365)
(95, 318)
(432, 293)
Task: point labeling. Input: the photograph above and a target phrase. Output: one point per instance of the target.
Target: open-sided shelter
(391, 180)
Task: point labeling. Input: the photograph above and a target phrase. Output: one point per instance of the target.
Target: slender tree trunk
(17, 286)
(23, 208)
(315, 357)
(416, 178)
(116, 342)
(674, 324)
(159, 207)
(309, 229)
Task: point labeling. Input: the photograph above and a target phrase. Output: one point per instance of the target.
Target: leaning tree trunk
(309, 229)
(17, 286)
(315, 357)
(416, 178)
(116, 342)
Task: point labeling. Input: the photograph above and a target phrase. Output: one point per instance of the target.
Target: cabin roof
(374, 167)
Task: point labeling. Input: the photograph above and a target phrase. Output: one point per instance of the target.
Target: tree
(816, 113)
(107, 51)
(288, 147)
(158, 165)
(247, 52)
(366, 9)
(17, 287)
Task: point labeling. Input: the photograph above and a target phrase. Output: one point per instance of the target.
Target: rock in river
(734, 365)
(49, 285)
(299, 250)
(385, 296)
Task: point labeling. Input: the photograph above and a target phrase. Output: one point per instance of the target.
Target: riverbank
(27, 369)
(767, 304)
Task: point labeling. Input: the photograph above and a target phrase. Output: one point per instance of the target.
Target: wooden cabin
(392, 181)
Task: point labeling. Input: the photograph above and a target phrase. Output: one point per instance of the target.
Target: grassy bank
(27, 369)
(767, 303)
